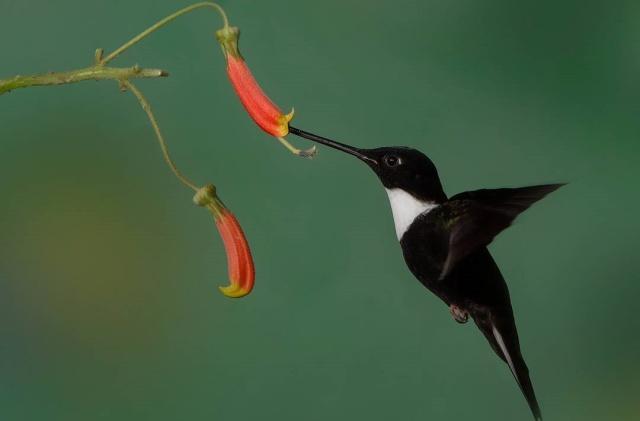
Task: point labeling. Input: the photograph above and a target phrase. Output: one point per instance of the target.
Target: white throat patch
(405, 209)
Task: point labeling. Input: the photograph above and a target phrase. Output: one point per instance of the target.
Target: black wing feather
(476, 217)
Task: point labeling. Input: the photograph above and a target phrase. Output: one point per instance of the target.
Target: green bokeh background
(109, 307)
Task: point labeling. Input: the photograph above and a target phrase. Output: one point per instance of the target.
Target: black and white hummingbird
(444, 242)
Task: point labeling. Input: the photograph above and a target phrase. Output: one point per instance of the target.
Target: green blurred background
(108, 274)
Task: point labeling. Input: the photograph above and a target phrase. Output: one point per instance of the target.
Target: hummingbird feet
(459, 315)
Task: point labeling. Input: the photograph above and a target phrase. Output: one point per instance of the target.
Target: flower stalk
(163, 22)
(127, 85)
(100, 71)
(96, 72)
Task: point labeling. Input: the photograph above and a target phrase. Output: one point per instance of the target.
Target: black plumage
(444, 246)
(446, 251)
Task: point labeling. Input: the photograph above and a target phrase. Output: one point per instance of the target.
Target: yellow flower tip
(282, 127)
(234, 291)
(229, 289)
(289, 117)
(241, 293)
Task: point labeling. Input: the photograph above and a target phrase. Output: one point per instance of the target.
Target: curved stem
(79, 75)
(154, 123)
(306, 153)
(162, 23)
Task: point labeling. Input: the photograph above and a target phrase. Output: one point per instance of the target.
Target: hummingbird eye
(391, 160)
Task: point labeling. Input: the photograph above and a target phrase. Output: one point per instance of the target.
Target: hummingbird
(444, 243)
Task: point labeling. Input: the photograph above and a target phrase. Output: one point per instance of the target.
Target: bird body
(474, 287)
(444, 243)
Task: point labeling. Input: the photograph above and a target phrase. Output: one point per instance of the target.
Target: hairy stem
(162, 23)
(154, 123)
(99, 71)
(73, 76)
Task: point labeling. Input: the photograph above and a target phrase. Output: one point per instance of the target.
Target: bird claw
(459, 315)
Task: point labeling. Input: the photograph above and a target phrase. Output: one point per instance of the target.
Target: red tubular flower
(239, 260)
(265, 113)
(261, 109)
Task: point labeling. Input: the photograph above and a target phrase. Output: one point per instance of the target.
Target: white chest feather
(405, 209)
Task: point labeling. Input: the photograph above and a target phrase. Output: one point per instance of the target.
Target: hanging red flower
(239, 260)
(260, 108)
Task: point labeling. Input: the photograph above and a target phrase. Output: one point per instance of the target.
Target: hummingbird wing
(474, 218)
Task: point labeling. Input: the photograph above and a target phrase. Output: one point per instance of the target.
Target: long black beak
(357, 152)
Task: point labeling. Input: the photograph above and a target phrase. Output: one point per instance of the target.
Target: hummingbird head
(406, 169)
(399, 168)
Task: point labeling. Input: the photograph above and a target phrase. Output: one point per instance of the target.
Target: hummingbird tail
(520, 371)
(503, 338)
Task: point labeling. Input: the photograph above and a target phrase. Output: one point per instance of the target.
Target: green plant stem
(162, 23)
(123, 75)
(100, 71)
(163, 144)
(96, 72)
